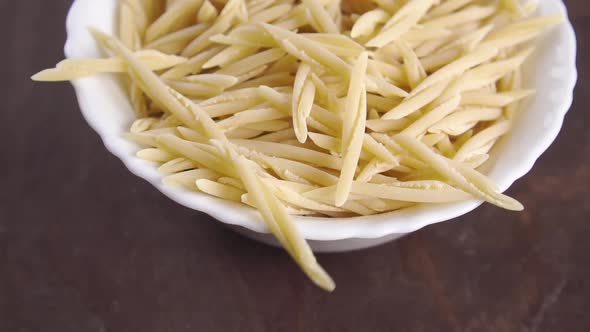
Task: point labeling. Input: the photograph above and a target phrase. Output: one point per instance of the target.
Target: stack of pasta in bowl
(321, 108)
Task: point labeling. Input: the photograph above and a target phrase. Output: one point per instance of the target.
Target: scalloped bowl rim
(95, 94)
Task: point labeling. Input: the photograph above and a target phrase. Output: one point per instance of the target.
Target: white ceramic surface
(552, 72)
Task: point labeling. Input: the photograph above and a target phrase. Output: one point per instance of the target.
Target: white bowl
(552, 72)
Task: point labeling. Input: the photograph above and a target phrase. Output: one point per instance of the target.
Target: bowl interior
(551, 71)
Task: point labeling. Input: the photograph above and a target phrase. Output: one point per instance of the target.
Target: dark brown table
(86, 246)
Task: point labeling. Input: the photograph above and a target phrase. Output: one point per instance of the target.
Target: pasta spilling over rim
(321, 107)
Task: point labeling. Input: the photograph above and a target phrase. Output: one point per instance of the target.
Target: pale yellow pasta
(372, 168)
(190, 135)
(152, 9)
(246, 35)
(278, 222)
(215, 80)
(368, 22)
(338, 44)
(243, 133)
(415, 72)
(446, 169)
(355, 115)
(378, 150)
(71, 69)
(128, 30)
(194, 65)
(254, 73)
(219, 190)
(446, 147)
(194, 90)
(381, 86)
(319, 119)
(390, 71)
(432, 139)
(195, 154)
(324, 94)
(296, 199)
(480, 139)
(293, 153)
(155, 155)
(380, 103)
(491, 72)
(303, 99)
(176, 16)
(295, 20)
(291, 210)
(327, 195)
(188, 179)
(469, 14)
(415, 102)
(271, 14)
(231, 182)
(423, 192)
(303, 170)
(457, 67)
(277, 136)
(234, 107)
(314, 50)
(383, 125)
(321, 17)
(175, 42)
(246, 95)
(223, 22)
(470, 40)
(421, 34)
(500, 99)
(177, 165)
(230, 55)
(447, 7)
(402, 101)
(520, 32)
(276, 80)
(433, 116)
(465, 119)
(300, 250)
(207, 12)
(529, 7)
(373, 115)
(148, 138)
(140, 14)
(252, 62)
(297, 187)
(401, 22)
(142, 125)
(250, 116)
(334, 145)
(255, 6)
(268, 126)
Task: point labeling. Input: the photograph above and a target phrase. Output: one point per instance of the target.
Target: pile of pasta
(321, 107)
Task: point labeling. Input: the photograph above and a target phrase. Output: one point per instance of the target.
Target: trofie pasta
(331, 108)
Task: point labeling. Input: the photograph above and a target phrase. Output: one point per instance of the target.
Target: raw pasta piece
(355, 115)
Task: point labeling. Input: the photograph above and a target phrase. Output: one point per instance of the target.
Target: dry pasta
(321, 108)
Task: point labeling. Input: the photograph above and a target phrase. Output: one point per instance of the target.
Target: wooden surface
(86, 246)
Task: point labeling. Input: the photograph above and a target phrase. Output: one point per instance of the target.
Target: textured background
(85, 246)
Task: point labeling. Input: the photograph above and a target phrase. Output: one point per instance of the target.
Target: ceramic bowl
(551, 71)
